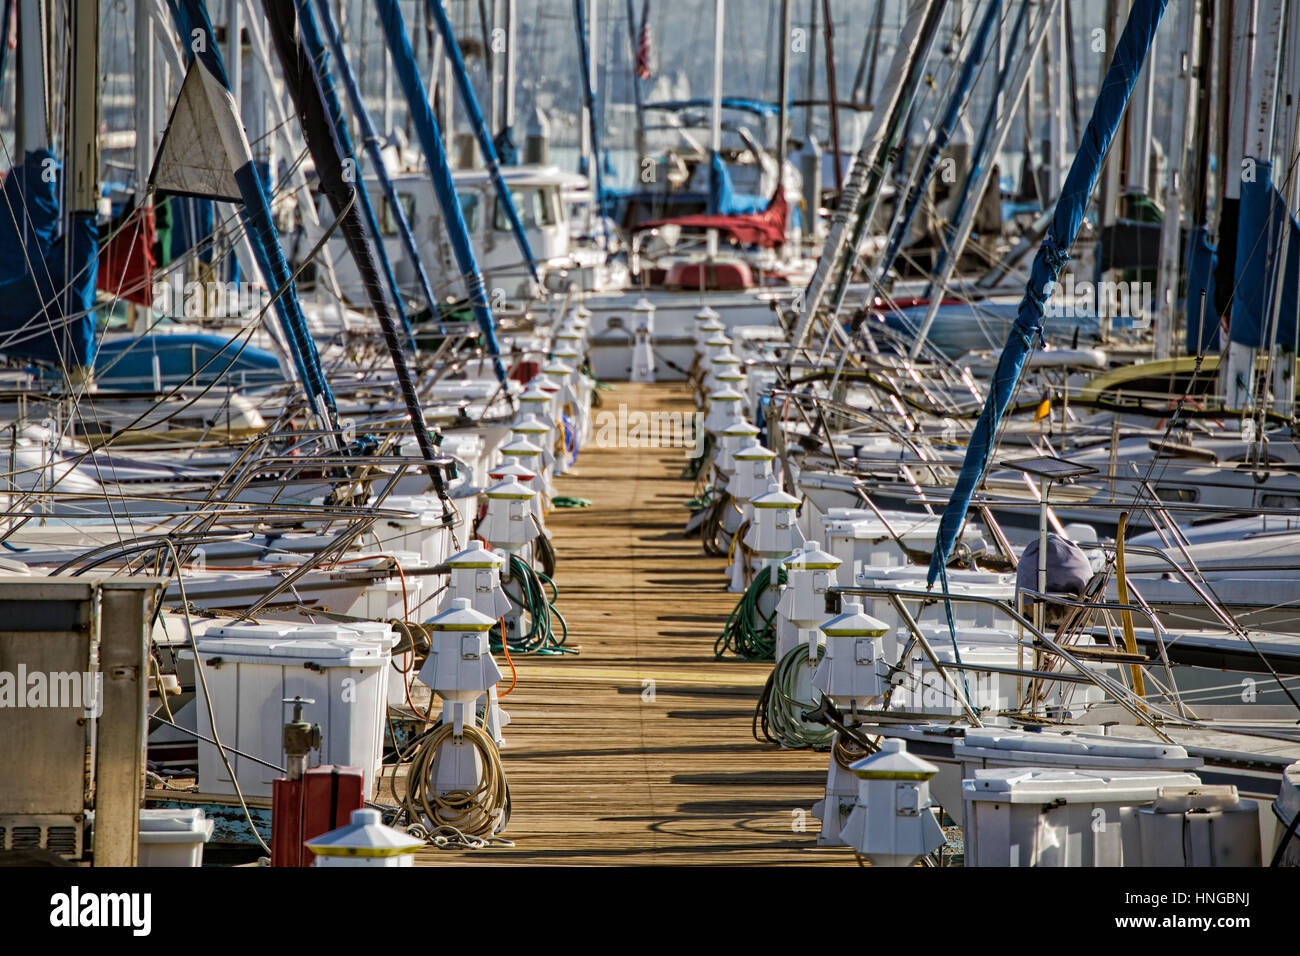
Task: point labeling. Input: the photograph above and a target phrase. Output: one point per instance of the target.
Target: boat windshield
(537, 207)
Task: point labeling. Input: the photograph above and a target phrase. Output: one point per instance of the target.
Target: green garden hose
(541, 637)
(749, 633)
(695, 465)
(568, 501)
(779, 713)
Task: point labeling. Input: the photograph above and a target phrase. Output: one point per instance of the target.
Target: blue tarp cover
(1264, 215)
(37, 286)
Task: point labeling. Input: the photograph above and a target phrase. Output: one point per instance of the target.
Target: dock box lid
(326, 652)
(380, 632)
(992, 743)
(936, 632)
(174, 824)
(241, 631)
(1220, 799)
(1044, 785)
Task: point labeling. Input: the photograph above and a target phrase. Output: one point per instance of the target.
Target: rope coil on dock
(477, 813)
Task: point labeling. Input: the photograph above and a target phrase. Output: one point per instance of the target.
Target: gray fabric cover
(1068, 569)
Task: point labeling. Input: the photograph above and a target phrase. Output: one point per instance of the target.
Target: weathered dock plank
(638, 750)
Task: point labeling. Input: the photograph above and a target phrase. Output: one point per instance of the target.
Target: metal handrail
(1107, 685)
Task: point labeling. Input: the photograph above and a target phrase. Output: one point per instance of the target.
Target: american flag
(643, 44)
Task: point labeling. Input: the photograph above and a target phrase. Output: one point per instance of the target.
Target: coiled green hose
(529, 594)
(779, 713)
(750, 633)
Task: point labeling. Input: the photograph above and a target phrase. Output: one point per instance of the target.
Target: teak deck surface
(601, 770)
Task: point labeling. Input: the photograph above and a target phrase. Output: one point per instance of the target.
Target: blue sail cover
(192, 223)
(374, 149)
(506, 148)
(34, 198)
(315, 48)
(481, 133)
(444, 187)
(757, 107)
(1116, 88)
(37, 287)
(720, 189)
(1264, 216)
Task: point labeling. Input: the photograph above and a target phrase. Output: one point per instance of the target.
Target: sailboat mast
(1117, 86)
(481, 132)
(921, 14)
(82, 174)
(83, 115)
(832, 101)
(1183, 117)
(951, 252)
(783, 91)
(234, 50)
(715, 118)
(143, 95)
(1251, 327)
(634, 42)
(1059, 93)
(32, 127)
(509, 68)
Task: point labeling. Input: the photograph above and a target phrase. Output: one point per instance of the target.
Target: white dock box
(1051, 817)
(249, 674)
(860, 540)
(402, 669)
(1201, 826)
(173, 837)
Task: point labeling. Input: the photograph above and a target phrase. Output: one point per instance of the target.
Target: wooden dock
(638, 749)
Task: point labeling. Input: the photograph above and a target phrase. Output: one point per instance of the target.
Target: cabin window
(469, 206)
(1169, 493)
(1279, 501)
(536, 207)
(387, 221)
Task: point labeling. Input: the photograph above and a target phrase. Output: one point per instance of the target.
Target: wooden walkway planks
(606, 768)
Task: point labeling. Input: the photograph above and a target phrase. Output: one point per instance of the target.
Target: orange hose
(514, 675)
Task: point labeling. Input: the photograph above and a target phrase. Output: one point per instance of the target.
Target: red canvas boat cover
(126, 262)
(766, 228)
